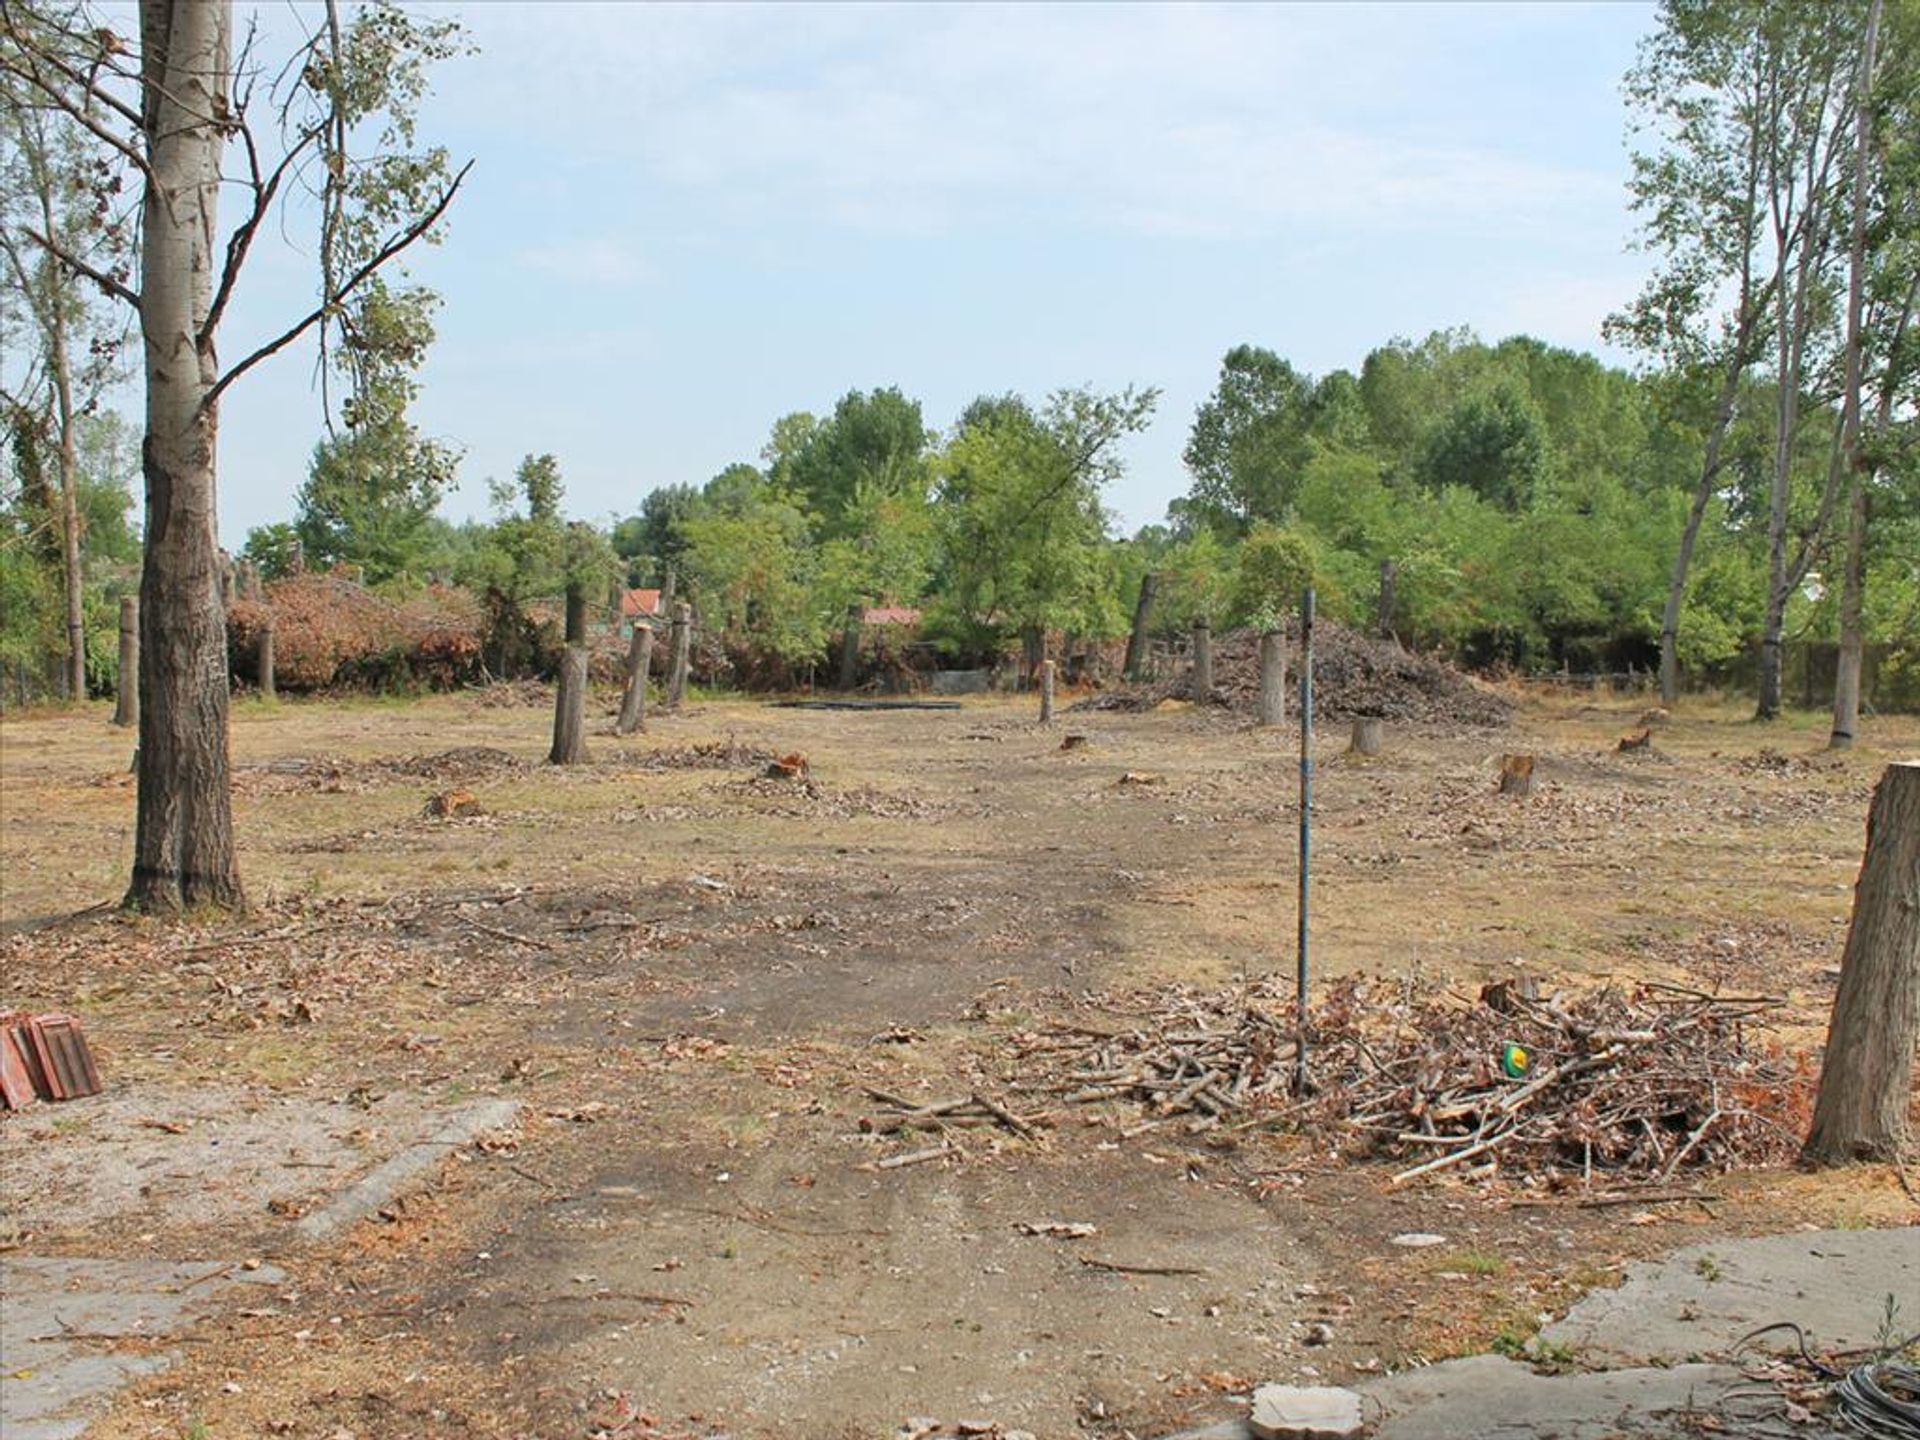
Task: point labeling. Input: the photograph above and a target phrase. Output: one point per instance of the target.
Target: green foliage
(1275, 568)
(271, 549)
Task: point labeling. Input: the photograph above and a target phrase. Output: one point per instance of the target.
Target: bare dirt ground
(689, 976)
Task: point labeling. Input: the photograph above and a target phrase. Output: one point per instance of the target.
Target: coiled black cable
(1880, 1400)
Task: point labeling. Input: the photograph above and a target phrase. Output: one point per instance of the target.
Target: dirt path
(689, 977)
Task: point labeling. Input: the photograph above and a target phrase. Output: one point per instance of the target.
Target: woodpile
(1633, 1085)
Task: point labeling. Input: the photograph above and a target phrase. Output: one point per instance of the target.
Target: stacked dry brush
(1633, 1085)
(1354, 676)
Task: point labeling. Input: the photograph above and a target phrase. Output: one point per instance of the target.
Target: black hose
(1880, 1400)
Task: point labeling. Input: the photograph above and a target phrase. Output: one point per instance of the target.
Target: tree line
(1750, 482)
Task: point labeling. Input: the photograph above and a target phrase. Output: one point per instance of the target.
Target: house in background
(638, 605)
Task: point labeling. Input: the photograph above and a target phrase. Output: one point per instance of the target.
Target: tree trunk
(126, 709)
(1142, 619)
(183, 831)
(633, 704)
(576, 615)
(681, 655)
(1033, 649)
(1388, 604)
(1202, 662)
(1046, 692)
(570, 710)
(1273, 678)
(1689, 537)
(268, 690)
(1368, 732)
(1866, 1084)
(74, 577)
(850, 648)
(1846, 676)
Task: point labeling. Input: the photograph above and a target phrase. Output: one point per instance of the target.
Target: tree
(370, 498)
(871, 449)
(1493, 443)
(169, 114)
(1019, 515)
(1249, 442)
(1698, 89)
(55, 183)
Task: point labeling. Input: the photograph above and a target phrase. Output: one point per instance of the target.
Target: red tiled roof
(639, 602)
(890, 615)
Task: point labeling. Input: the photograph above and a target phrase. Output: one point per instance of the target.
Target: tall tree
(1696, 92)
(169, 114)
(1249, 441)
(55, 182)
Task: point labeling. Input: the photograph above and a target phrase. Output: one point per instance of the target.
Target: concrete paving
(1639, 1347)
(1700, 1301)
(62, 1318)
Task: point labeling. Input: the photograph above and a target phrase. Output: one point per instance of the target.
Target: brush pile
(1353, 675)
(1635, 1085)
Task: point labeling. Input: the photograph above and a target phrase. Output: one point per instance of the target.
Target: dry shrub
(331, 631)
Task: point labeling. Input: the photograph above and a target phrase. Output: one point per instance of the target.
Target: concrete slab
(1490, 1398)
(378, 1187)
(1698, 1302)
(59, 1314)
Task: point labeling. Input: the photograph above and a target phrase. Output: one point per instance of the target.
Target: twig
(1119, 1268)
(916, 1157)
(500, 934)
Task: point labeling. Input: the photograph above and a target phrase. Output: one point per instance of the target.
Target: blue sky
(685, 221)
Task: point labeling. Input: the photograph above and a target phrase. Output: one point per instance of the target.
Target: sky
(684, 221)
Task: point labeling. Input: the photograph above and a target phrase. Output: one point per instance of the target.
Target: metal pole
(1306, 835)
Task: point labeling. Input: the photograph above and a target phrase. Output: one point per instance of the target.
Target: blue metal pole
(1306, 833)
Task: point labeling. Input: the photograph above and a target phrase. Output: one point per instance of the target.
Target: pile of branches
(1637, 1084)
(1353, 675)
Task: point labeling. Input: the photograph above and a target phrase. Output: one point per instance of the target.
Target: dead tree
(1142, 618)
(633, 704)
(1202, 661)
(680, 657)
(1273, 678)
(126, 708)
(1866, 1083)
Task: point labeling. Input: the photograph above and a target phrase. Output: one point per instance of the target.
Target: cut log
(1273, 678)
(265, 660)
(1202, 662)
(680, 657)
(1516, 775)
(1369, 734)
(1046, 692)
(633, 704)
(570, 710)
(1866, 1085)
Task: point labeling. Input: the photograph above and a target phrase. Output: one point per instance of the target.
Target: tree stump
(126, 708)
(1202, 662)
(570, 710)
(1046, 692)
(1866, 1082)
(1516, 774)
(1273, 678)
(1369, 734)
(633, 704)
(263, 658)
(1137, 637)
(680, 656)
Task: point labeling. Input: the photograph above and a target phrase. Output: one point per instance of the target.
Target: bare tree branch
(313, 317)
(241, 240)
(73, 262)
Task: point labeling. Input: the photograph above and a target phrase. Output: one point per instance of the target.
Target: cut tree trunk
(1866, 1083)
(183, 829)
(633, 704)
(1273, 678)
(265, 661)
(1516, 775)
(1202, 662)
(1142, 619)
(1046, 692)
(681, 655)
(126, 707)
(1369, 733)
(570, 710)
